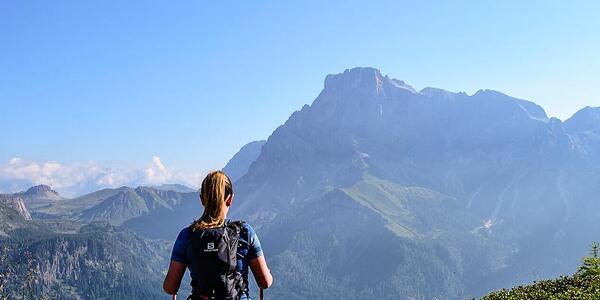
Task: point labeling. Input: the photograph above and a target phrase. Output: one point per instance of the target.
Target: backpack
(213, 251)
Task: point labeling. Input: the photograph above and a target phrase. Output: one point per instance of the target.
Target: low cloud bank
(74, 179)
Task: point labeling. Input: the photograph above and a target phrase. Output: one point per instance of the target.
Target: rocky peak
(367, 80)
(41, 192)
(42, 188)
(356, 78)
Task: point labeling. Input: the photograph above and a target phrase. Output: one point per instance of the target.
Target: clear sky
(118, 82)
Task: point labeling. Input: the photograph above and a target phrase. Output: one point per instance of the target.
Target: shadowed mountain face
(460, 184)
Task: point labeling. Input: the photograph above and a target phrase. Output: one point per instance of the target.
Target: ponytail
(216, 187)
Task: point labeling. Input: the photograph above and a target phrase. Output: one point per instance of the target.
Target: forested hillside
(68, 260)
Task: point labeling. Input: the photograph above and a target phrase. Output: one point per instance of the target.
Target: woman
(218, 265)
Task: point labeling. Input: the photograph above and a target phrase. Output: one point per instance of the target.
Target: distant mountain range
(379, 191)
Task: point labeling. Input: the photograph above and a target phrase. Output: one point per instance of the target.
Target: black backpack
(213, 253)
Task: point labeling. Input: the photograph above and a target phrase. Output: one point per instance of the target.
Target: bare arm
(173, 278)
(261, 272)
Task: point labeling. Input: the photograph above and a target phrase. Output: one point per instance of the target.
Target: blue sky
(119, 82)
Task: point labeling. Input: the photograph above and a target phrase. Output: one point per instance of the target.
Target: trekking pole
(261, 294)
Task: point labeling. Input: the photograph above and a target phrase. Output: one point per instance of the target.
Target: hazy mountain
(585, 120)
(175, 187)
(113, 205)
(238, 165)
(41, 192)
(156, 212)
(165, 223)
(39, 196)
(30, 201)
(440, 194)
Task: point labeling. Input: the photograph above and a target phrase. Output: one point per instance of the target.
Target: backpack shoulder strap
(237, 225)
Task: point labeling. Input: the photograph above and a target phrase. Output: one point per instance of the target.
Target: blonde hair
(216, 187)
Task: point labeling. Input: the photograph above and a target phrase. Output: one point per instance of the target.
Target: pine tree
(5, 272)
(591, 264)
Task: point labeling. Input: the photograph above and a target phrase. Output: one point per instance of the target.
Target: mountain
(156, 212)
(166, 222)
(378, 191)
(585, 120)
(238, 165)
(39, 196)
(41, 192)
(175, 187)
(116, 205)
(68, 260)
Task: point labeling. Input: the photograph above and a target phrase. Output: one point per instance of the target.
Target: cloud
(157, 172)
(78, 178)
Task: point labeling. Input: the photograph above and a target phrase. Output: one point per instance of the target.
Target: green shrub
(584, 285)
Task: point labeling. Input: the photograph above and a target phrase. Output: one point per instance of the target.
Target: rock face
(16, 202)
(465, 185)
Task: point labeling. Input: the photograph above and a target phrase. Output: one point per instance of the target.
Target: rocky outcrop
(17, 203)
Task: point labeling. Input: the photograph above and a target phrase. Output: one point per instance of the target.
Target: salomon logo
(210, 247)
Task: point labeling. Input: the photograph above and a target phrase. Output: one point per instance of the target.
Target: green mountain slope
(412, 210)
(116, 206)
